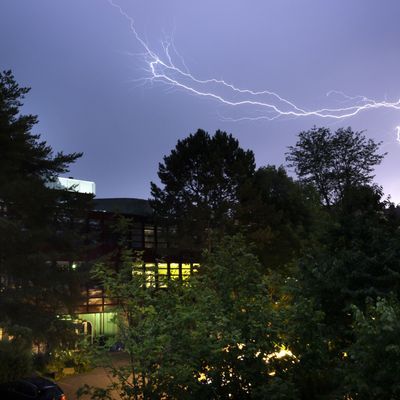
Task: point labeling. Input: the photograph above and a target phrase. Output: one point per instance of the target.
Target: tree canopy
(297, 305)
(334, 161)
(36, 225)
(277, 214)
(212, 338)
(302, 303)
(201, 181)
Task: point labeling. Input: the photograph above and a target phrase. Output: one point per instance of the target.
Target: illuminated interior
(158, 274)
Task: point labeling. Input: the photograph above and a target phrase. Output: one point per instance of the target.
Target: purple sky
(84, 67)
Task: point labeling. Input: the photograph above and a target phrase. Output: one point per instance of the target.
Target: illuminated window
(95, 292)
(186, 271)
(162, 274)
(95, 301)
(150, 276)
(157, 275)
(137, 269)
(174, 270)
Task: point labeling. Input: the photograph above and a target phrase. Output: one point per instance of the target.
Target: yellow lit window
(185, 271)
(174, 268)
(162, 274)
(150, 276)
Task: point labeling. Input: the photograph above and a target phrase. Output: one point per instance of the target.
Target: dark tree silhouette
(36, 225)
(201, 180)
(332, 162)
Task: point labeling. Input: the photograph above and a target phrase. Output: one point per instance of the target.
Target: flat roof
(127, 206)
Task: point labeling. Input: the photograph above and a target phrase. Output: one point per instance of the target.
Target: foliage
(81, 358)
(37, 225)
(278, 215)
(16, 360)
(335, 161)
(201, 180)
(280, 329)
(373, 366)
(212, 337)
(234, 296)
(357, 256)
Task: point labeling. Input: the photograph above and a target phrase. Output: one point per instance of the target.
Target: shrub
(16, 361)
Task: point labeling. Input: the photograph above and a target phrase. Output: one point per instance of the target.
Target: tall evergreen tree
(37, 224)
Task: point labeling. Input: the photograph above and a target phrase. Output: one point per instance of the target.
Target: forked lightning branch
(169, 68)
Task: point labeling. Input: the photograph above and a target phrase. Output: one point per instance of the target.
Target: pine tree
(38, 225)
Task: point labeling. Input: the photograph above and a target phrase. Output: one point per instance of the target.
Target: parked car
(35, 388)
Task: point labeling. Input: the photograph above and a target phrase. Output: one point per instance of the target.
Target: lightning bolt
(264, 104)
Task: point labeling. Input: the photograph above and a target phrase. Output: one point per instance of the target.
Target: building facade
(160, 261)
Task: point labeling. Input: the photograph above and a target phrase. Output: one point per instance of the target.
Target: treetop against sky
(131, 78)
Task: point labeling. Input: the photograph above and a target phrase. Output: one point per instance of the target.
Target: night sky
(87, 70)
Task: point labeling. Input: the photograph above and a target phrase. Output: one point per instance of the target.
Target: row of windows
(158, 274)
(154, 275)
(148, 236)
(95, 300)
(141, 235)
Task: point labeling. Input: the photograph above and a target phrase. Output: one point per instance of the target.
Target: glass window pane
(137, 235)
(95, 292)
(185, 271)
(137, 270)
(150, 275)
(162, 274)
(97, 300)
(174, 268)
(149, 238)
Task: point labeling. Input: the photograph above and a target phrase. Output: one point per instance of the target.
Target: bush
(16, 361)
(79, 359)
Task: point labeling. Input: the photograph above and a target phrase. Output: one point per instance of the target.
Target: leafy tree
(278, 215)
(334, 161)
(354, 256)
(201, 180)
(357, 257)
(234, 295)
(316, 373)
(373, 364)
(212, 337)
(37, 224)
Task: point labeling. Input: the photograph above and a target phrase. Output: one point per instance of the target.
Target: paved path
(98, 377)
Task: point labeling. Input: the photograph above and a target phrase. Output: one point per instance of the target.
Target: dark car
(36, 388)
